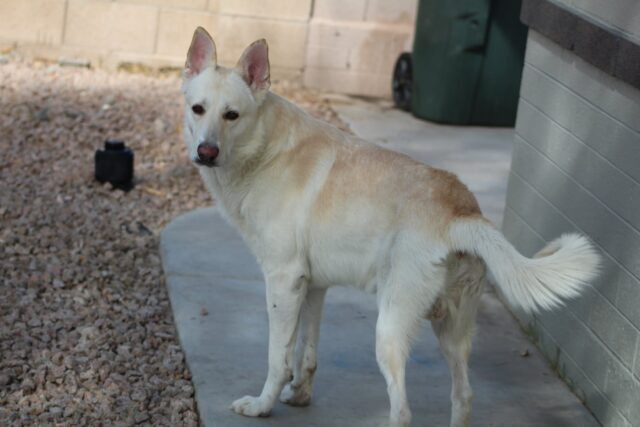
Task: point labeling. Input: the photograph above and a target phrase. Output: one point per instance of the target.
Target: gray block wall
(576, 167)
(619, 16)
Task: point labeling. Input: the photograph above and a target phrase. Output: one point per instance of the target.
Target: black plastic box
(114, 164)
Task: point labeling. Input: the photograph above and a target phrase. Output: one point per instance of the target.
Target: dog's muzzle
(207, 154)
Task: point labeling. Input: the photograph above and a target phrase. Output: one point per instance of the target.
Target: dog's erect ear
(254, 65)
(202, 53)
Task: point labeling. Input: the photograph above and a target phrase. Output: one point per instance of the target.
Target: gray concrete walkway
(217, 296)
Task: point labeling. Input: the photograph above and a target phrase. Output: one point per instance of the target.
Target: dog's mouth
(207, 163)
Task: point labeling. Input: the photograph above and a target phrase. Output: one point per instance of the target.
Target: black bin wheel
(402, 82)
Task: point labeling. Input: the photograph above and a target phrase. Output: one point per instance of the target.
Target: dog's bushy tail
(556, 273)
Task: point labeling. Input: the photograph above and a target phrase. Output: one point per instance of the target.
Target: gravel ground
(86, 332)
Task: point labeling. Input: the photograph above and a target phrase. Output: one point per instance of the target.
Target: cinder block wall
(576, 167)
(354, 44)
(348, 47)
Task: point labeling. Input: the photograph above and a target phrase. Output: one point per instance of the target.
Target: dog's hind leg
(298, 391)
(392, 350)
(454, 326)
(401, 308)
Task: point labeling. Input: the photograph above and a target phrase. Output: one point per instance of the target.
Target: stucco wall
(348, 47)
(576, 167)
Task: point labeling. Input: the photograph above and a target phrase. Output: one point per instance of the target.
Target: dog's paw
(250, 406)
(295, 396)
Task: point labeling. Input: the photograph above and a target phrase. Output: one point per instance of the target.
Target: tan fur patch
(438, 310)
(464, 280)
(453, 194)
(300, 161)
(406, 186)
(359, 172)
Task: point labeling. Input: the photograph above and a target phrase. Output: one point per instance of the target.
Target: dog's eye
(230, 115)
(198, 109)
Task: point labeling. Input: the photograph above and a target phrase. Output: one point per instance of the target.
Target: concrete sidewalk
(217, 296)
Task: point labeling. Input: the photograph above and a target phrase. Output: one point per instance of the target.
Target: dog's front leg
(298, 391)
(285, 293)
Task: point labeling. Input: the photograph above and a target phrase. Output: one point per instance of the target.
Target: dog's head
(221, 104)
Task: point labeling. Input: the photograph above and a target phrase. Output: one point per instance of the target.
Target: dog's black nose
(207, 153)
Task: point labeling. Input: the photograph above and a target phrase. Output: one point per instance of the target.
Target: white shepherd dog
(319, 208)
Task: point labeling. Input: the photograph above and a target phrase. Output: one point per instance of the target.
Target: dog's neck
(275, 131)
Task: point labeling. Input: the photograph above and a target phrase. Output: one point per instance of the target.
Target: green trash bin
(467, 61)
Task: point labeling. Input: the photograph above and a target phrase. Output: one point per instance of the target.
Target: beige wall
(347, 46)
